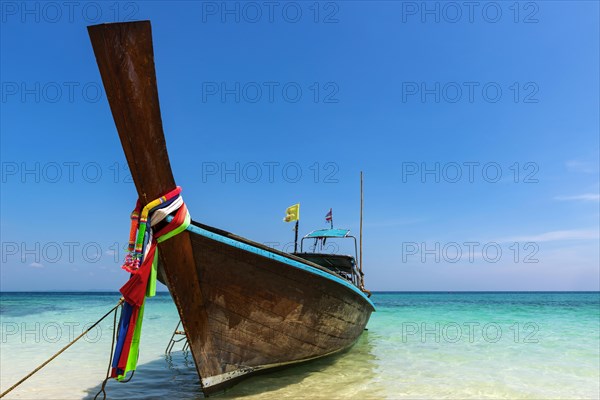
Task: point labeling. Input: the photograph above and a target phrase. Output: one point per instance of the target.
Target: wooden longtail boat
(244, 307)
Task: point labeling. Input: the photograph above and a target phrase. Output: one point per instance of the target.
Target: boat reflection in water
(351, 374)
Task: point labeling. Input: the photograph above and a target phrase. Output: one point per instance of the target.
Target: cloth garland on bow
(142, 263)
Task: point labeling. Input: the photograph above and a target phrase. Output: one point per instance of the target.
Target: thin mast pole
(361, 229)
(296, 237)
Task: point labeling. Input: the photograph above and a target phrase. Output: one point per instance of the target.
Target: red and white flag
(329, 216)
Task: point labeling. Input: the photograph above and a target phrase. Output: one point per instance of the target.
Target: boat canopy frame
(330, 233)
(335, 234)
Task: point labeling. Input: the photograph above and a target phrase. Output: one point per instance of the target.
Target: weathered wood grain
(264, 312)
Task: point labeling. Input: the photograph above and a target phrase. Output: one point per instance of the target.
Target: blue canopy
(328, 233)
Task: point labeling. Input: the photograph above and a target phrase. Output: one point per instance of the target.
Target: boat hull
(267, 310)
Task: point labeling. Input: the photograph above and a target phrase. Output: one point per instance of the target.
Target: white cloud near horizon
(581, 166)
(36, 265)
(552, 236)
(580, 197)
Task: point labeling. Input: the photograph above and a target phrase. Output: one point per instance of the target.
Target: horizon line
(111, 291)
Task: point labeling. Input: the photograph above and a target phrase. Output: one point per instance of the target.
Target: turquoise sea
(418, 346)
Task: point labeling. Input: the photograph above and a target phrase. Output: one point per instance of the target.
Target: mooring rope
(114, 309)
(112, 348)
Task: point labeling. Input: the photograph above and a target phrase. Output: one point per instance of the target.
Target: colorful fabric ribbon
(142, 263)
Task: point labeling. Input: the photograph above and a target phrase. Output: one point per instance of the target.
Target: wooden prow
(126, 62)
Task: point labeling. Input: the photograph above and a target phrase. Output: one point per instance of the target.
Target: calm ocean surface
(418, 345)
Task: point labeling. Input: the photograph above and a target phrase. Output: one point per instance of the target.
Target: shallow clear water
(419, 345)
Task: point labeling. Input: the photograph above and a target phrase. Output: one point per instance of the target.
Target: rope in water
(114, 309)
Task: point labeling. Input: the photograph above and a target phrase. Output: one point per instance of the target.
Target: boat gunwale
(267, 252)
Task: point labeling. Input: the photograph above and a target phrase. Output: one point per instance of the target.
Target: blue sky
(477, 131)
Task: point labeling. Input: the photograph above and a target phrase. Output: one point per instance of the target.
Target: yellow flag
(292, 213)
